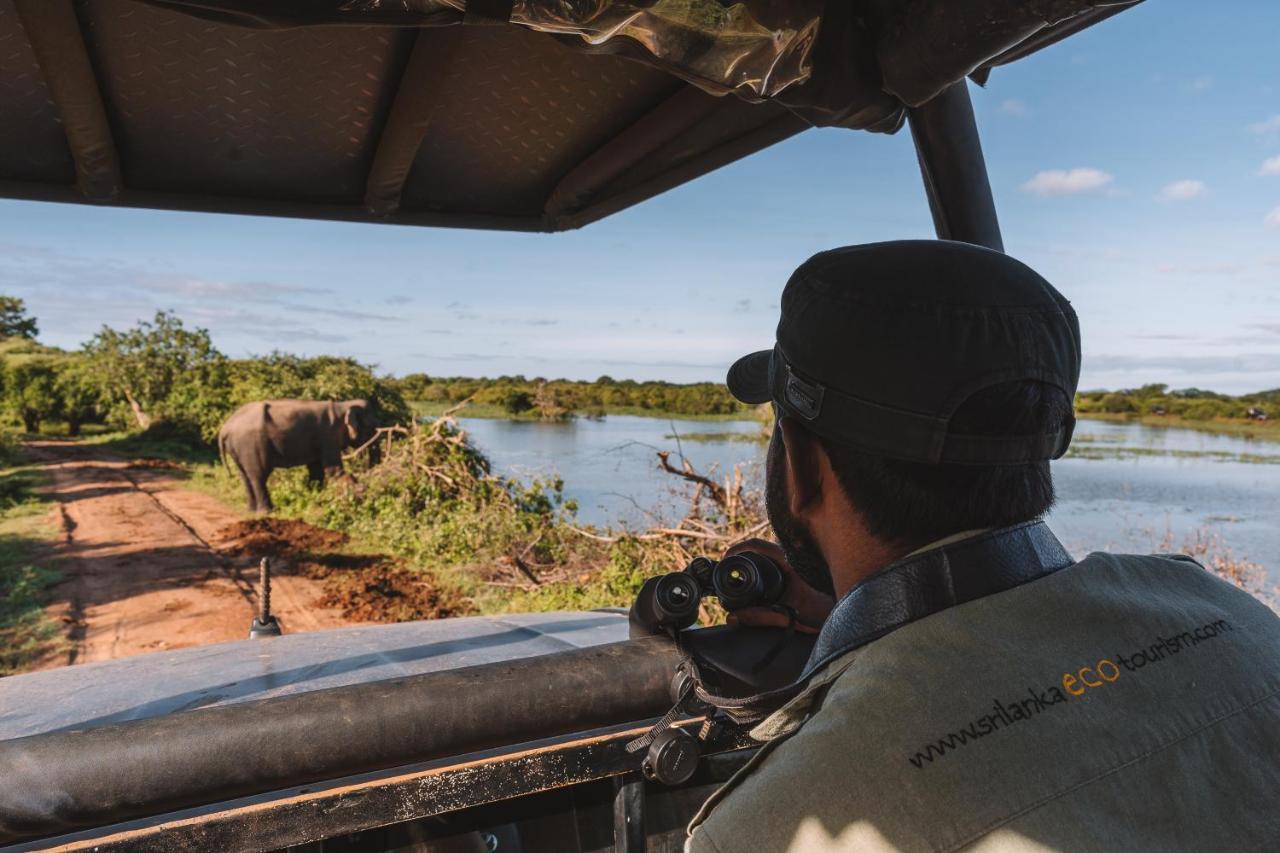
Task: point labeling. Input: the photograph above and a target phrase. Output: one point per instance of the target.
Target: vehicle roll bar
(61, 781)
(954, 171)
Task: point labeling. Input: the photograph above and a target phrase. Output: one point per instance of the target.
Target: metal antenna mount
(264, 624)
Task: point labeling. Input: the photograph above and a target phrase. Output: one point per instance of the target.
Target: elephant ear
(354, 418)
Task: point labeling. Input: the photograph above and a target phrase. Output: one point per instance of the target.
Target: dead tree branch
(714, 489)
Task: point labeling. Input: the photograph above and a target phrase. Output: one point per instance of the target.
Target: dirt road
(145, 566)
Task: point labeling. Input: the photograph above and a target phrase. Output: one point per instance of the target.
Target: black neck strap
(918, 586)
(723, 661)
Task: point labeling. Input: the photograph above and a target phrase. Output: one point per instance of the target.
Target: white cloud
(1182, 190)
(1273, 218)
(1271, 125)
(1067, 182)
(1200, 84)
(1014, 106)
(1270, 166)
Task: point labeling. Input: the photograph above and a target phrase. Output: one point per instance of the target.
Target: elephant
(262, 436)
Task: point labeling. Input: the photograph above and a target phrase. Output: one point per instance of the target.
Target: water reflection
(1124, 487)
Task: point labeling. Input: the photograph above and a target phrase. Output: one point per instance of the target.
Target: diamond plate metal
(517, 112)
(32, 144)
(205, 107)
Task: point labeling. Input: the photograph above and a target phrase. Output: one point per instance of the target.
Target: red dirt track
(147, 564)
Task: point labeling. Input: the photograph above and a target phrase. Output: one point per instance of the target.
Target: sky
(1135, 165)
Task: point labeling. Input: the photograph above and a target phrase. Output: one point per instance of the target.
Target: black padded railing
(63, 781)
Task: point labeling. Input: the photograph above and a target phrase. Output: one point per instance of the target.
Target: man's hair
(912, 504)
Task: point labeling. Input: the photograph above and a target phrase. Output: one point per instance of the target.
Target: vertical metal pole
(954, 172)
(628, 814)
(264, 624)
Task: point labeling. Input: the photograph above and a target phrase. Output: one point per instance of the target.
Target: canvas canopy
(519, 114)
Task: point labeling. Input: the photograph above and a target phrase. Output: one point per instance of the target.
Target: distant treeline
(517, 395)
(163, 374)
(1193, 404)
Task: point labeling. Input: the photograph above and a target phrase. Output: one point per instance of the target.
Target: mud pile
(365, 587)
(384, 593)
(278, 537)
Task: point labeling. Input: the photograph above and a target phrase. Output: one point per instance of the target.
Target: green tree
(30, 392)
(415, 386)
(515, 401)
(14, 322)
(79, 398)
(320, 378)
(161, 370)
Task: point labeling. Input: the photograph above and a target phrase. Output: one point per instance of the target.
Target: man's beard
(798, 544)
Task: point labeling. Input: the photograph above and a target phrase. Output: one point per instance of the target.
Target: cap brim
(748, 378)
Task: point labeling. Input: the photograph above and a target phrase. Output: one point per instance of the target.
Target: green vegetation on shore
(516, 396)
(1268, 430)
(1255, 415)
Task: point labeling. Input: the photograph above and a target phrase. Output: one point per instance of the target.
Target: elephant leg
(250, 496)
(315, 474)
(264, 496)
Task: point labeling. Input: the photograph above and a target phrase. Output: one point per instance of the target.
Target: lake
(1123, 487)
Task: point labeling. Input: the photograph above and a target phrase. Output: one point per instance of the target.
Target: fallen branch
(525, 570)
(524, 567)
(691, 534)
(713, 488)
(378, 434)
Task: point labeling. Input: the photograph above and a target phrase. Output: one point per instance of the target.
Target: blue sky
(1137, 166)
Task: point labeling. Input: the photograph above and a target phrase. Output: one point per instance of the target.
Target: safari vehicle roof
(525, 115)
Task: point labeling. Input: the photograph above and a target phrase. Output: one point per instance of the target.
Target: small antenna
(264, 624)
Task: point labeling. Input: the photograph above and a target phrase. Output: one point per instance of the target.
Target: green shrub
(1202, 410)
(1117, 404)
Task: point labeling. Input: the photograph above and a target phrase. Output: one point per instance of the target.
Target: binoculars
(670, 602)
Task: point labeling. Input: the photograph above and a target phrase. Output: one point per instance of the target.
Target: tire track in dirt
(141, 572)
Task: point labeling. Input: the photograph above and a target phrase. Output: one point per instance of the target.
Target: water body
(1124, 487)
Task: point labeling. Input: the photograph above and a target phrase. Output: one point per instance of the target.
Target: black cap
(879, 344)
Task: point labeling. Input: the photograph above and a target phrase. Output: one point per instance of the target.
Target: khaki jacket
(1124, 703)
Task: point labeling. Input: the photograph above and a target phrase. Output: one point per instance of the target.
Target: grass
(1265, 430)
(27, 634)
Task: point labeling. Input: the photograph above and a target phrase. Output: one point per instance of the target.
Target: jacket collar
(934, 579)
(949, 572)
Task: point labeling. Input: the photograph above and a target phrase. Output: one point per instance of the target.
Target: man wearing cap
(972, 685)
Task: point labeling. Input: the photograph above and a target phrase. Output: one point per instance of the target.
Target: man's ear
(806, 466)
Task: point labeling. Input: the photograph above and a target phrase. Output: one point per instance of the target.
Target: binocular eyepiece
(670, 602)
